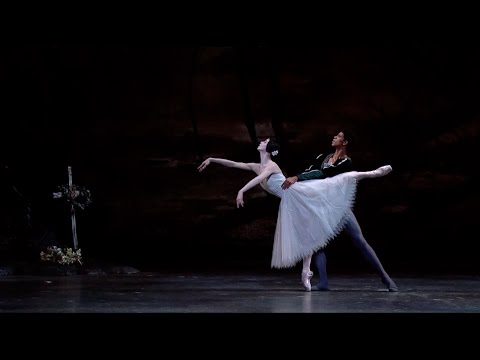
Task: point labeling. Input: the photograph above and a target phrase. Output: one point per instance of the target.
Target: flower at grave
(76, 195)
(62, 256)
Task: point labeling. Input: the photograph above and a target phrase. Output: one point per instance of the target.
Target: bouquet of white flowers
(64, 256)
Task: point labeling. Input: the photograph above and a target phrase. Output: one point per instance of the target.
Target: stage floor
(235, 293)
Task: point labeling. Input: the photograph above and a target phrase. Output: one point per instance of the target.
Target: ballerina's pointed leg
(381, 171)
(306, 273)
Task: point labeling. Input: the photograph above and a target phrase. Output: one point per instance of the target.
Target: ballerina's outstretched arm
(255, 181)
(227, 163)
(244, 166)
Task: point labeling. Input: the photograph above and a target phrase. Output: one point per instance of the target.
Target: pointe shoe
(383, 170)
(306, 276)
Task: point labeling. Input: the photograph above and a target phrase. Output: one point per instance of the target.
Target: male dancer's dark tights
(353, 230)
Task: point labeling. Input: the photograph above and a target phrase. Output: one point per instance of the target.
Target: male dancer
(331, 165)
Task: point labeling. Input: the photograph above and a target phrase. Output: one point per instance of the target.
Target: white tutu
(311, 213)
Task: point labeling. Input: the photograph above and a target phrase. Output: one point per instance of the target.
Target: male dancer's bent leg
(321, 264)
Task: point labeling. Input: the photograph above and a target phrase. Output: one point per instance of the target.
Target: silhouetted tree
(276, 101)
(197, 148)
(239, 54)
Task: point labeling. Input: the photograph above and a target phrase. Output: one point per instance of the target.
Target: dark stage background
(135, 122)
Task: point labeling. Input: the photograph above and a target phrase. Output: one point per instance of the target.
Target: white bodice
(274, 184)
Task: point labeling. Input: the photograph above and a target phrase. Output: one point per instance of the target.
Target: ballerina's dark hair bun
(273, 148)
